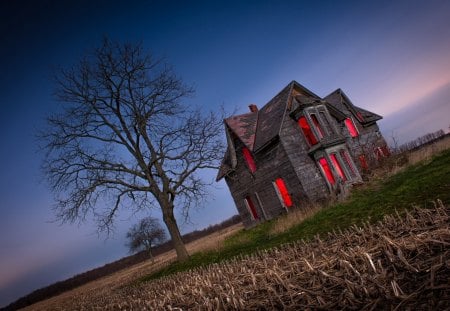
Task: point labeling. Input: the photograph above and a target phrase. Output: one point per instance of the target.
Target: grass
(420, 184)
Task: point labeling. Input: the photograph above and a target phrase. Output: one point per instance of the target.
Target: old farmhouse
(297, 149)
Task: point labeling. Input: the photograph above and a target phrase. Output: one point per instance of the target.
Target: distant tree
(123, 138)
(145, 235)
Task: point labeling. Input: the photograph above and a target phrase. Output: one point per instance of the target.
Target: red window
(283, 193)
(326, 169)
(249, 159)
(363, 162)
(251, 207)
(351, 127)
(348, 162)
(317, 125)
(338, 166)
(312, 140)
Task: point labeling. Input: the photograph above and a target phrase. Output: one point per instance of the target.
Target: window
(307, 131)
(251, 207)
(249, 159)
(360, 116)
(317, 125)
(337, 166)
(327, 170)
(346, 157)
(282, 192)
(363, 162)
(351, 127)
(324, 118)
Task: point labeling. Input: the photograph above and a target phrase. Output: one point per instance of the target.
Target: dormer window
(249, 159)
(351, 127)
(316, 124)
(307, 131)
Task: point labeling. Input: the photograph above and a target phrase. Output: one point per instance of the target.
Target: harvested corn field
(402, 262)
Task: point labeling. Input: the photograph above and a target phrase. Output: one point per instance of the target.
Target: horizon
(389, 58)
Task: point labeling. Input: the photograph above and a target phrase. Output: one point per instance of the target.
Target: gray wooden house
(296, 149)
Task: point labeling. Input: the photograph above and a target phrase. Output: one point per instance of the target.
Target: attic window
(251, 208)
(307, 131)
(327, 170)
(282, 192)
(360, 116)
(351, 127)
(249, 159)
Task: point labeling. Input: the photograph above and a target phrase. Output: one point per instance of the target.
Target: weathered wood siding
(271, 163)
(308, 174)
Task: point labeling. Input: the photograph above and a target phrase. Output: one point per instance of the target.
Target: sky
(390, 57)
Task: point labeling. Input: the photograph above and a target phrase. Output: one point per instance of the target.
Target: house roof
(257, 129)
(338, 98)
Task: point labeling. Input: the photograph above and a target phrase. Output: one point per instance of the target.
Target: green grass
(418, 185)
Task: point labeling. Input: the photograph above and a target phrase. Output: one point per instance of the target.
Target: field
(381, 256)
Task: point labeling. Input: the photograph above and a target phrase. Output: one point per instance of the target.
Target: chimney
(253, 108)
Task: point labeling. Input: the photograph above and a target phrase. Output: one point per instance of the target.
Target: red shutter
(281, 186)
(249, 159)
(326, 169)
(312, 140)
(351, 127)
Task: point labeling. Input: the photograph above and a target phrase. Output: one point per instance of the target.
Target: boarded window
(317, 125)
(327, 170)
(337, 166)
(249, 159)
(327, 124)
(309, 135)
(251, 208)
(282, 192)
(346, 157)
(363, 162)
(351, 127)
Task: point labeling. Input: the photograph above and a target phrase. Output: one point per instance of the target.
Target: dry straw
(400, 263)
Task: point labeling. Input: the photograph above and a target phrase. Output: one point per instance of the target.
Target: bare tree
(145, 235)
(124, 139)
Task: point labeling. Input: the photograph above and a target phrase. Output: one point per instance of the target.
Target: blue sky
(389, 57)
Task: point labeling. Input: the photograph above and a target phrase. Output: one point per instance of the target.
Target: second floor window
(249, 159)
(351, 127)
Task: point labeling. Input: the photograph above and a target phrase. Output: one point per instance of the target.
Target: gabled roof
(256, 129)
(338, 98)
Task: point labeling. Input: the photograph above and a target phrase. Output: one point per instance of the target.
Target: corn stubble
(400, 263)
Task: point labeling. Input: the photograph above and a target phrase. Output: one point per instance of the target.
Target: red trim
(310, 137)
(249, 159)
(326, 169)
(338, 167)
(251, 207)
(283, 192)
(351, 127)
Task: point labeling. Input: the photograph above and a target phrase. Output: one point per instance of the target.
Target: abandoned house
(297, 149)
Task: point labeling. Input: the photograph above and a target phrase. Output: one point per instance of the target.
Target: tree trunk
(177, 242)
